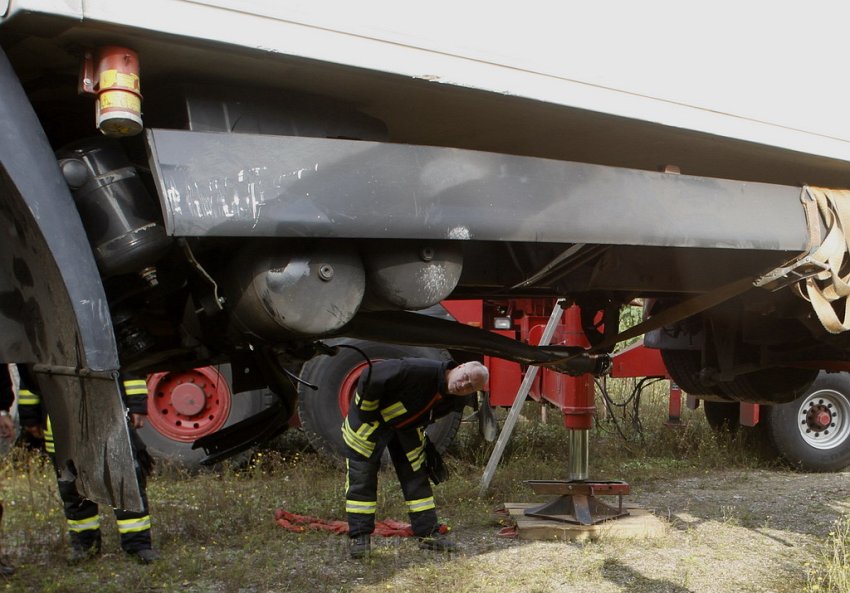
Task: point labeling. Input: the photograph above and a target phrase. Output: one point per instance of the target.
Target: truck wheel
(770, 386)
(684, 366)
(183, 406)
(722, 415)
(812, 433)
(322, 411)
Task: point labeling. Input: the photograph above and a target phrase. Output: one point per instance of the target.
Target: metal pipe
(578, 459)
(516, 408)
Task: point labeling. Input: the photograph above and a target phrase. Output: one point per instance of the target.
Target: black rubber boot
(83, 553)
(438, 543)
(360, 546)
(145, 555)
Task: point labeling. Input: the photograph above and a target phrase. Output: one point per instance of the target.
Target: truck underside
(273, 202)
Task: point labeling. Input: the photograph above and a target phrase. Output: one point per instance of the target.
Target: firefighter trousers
(83, 516)
(361, 498)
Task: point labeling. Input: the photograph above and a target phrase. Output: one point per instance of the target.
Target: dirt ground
(727, 532)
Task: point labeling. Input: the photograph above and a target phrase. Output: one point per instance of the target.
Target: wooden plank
(640, 523)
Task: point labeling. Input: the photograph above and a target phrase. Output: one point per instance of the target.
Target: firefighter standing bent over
(82, 515)
(394, 402)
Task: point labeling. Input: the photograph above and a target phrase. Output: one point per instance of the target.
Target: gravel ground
(727, 532)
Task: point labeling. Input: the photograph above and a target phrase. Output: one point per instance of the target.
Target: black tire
(766, 386)
(797, 432)
(726, 416)
(722, 415)
(684, 367)
(320, 411)
(180, 453)
(771, 386)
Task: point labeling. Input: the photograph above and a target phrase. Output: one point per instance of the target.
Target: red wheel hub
(819, 417)
(186, 405)
(348, 387)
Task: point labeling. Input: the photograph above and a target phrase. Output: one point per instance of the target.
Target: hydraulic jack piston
(577, 497)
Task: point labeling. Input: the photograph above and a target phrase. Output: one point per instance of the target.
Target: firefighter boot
(146, 555)
(437, 542)
(82, 550)
(360, 546)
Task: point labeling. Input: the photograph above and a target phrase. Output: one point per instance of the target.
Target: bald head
(467, 378)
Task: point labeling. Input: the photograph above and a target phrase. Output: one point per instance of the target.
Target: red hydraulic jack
(577, 498)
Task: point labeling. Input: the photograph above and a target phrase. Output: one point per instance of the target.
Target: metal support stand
(578, 461)
(577, 502)
(516, 408)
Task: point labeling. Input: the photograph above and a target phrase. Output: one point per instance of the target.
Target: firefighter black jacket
(403, 395)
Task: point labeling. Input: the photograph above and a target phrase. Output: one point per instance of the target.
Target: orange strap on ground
(302, 523)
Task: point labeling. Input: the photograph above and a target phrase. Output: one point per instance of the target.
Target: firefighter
(82, 515)
(395, 400)
(7, 433)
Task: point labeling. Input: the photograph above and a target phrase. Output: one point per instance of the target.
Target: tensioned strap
(821, 206)
(680, 311)
(829, 289)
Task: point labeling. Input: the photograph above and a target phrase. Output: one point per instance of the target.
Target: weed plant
(830, 571)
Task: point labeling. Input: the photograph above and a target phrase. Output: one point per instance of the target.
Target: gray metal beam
(214, 184)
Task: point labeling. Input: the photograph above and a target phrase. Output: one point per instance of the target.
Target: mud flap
(53, 309)
(92, 440)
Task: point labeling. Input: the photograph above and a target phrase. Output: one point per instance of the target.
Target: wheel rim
(348, 387)
(824, 419)
(186, 405)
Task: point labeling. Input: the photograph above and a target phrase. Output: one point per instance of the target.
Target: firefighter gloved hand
(437, 470)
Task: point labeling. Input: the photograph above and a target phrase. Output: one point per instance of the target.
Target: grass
(830, 571)
(217, 534)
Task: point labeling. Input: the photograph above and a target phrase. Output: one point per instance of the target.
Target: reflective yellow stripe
(367, 405)
(361, 507)
(351, 439)
(28, 398)
(347, 469)
(393, 411)
(354, 445)
(136, 387)
(416, 458)
(422, 504)
(134, 525)
(49, 443)
(416, 453)
(87, 524)
(366, 429)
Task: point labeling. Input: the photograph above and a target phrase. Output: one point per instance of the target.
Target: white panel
(761, 71)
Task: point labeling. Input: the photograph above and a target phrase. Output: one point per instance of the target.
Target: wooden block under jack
(640, 523)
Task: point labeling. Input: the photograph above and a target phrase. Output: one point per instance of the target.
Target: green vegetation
(830, 571)
(736, 522)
